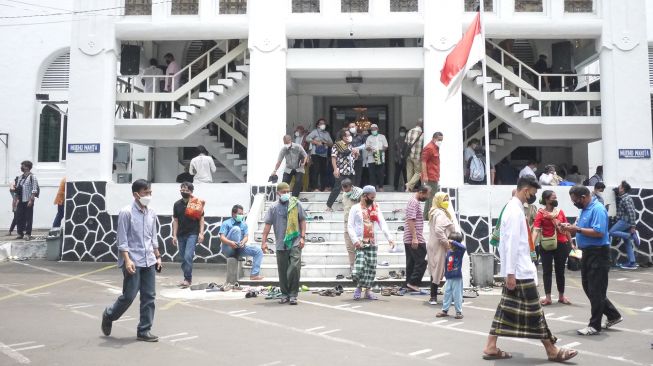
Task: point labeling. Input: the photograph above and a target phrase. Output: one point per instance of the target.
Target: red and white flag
(469, 51)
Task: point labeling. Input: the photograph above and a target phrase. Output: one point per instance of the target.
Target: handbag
(194, 208)
(408, 148)
(573, 262)
(549, 243)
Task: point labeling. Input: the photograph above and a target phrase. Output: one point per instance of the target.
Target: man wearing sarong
(362, 219)
(519, 313)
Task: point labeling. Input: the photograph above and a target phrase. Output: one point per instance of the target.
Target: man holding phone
(138, 258)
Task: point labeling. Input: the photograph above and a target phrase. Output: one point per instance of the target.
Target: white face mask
(145, 200)
(438, 143)
(347, 139)
(322, 127)
(535, 169)
(297, 134)
(402, 134)
(288, 145)
(352, 130)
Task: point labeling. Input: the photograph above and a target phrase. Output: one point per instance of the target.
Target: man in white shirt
(519, 313)
(171, 70)
(376, 145)
(151, 83)
(529, 169)
(202, 166)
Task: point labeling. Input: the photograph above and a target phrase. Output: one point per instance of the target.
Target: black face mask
(185, 195)
(554, 203)
(531, 200)
(369, 201)
(422, 199)
(579, 205)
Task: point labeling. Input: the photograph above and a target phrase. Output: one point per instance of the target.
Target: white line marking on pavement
(420, 352)
(183, 339)
(621, 279)
(245, 314)
(549, 315)
(81, 306)
(313, 329)
(16, 356)
(78, 304)
(41, 294)
(572, 345)
(237, 311)
(342, 305)
(454, 324)
(648, 308)
(329, 331)
(124, 319)
(27, 348)
(270, 363)
(565, 317)
(173, 335)
(635, 280)
(357, 306)
(19, 344)
(439, 322)
(467, 302)
(90, 316)
(439, 355)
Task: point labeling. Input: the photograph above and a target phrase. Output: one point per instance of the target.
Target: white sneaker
(611, 323)
(588, 331)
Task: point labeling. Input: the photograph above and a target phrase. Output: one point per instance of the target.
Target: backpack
(476, 169)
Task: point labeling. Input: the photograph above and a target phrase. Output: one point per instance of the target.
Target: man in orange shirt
(431, 168)
(59, 200)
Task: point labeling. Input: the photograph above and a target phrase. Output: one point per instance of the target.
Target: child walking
(453, 289)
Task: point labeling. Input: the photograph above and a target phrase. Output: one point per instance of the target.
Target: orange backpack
(195, 208)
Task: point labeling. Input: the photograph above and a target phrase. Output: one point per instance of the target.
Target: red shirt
(431, 157)
(547, 225)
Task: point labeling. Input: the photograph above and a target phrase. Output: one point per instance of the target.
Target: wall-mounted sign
(83, 148)
(634, 153)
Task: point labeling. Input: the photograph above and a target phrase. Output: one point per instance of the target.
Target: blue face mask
(284, 197)
(239, 218)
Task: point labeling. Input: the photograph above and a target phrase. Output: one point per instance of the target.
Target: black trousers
(559, 257)
(415, 264)
(400, 171)
(335, 190)
(594, 268)
(24, 218)
(287, 177)
(377, 175)
(358, 172)
(317, 178)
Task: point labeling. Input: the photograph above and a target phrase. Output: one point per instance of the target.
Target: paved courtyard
(51, 316)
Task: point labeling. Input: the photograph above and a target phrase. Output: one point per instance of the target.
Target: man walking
(351, 195)
(358, 142)
(320, 141)
(289, 221)
(431, 168)
(187, 231)
(295, 161)
(626, 226)
(343, 155)
(26, 188)
(415, 142)
(376, 145)
(234, 235)
(414, 239)
(591, 231)
(400, 160)
(138, 257)
(519, 313)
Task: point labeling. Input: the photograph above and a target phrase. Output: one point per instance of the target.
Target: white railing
(129, 94)
(555, 94)
(234, 127)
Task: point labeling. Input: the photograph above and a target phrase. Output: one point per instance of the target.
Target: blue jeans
(144, 281)
(622, 230)
(187, 245)
(236, 235)
(453, 292)
(59, 217)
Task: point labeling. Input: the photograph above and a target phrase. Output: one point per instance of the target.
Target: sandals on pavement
(564, 300)
(386, 291)
(442, 314)
(564, 355)
(357, 293)
(545, 302)
(370, 296)
(498, 355)
(458, 316)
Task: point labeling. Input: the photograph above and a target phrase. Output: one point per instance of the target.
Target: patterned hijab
(437, 204)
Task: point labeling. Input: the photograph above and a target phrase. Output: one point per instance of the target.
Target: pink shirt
(414, 212)
(172, 69)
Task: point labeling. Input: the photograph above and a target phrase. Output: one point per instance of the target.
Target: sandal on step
(498, 355)
(564, 355)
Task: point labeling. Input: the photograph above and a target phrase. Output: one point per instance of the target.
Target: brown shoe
(442, 314)
(256, 278)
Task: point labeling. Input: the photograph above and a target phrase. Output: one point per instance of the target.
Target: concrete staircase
(325, 254)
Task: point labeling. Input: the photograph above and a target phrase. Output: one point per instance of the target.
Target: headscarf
(437, 204)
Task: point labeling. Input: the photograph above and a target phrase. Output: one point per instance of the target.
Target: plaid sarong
(520, 314)
(365, 266)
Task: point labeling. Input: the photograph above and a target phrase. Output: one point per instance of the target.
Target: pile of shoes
(331, 292)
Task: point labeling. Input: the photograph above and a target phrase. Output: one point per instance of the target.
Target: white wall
(166, 164)
(219, 197)
(300, 110)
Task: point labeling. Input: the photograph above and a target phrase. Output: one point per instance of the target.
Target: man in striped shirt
(26, 190)
(414, 139)
(414, 239)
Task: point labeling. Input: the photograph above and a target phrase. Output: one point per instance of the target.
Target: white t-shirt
(201, 167)
(377, 143)
(152, 84)
(527, 171)
(172, 69)
(514, 249)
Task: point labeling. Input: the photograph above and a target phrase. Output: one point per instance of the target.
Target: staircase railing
(215, 69)
(232, 126)
(566, 99)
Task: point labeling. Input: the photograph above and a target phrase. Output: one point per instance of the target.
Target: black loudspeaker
(130, 59)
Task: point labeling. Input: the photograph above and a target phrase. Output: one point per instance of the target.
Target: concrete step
(498, 142)
(479, 80)
(217, 89)
(342, 259)
(235, 75)
(508, 101)
(208, 96)
(492, 87)
(340, 225)
(338, 236)
(473, 74)
(243, 68)
(189, 109)
(506, 136)
(341, 247)
(226, 82)
(320, 206)
(501, 93)
(181, 115)
(325, 272)
(239, 162)
(380, 196)
(232, 156)
(338, 216)
(530, 113)
(198, 103)
(519, 107)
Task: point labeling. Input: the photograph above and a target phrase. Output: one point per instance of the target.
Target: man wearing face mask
(529, 169)
(591, 230)
(234, 236)
(400, 160)
(295, 161)
(320, 141)
(431, 168)
(288, 218)
(26, 188)
(186, 232)
(414, 240)
(357, 141)
(138, 257)
(376, 145)
(343, 155)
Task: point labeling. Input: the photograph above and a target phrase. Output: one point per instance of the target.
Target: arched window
(52, 107)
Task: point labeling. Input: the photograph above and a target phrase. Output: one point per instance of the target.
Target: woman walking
(554, 245)
(440, 227)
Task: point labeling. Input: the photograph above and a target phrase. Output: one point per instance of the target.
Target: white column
(625, 93)
(267, 87)
(93, 63)
(442, 30)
